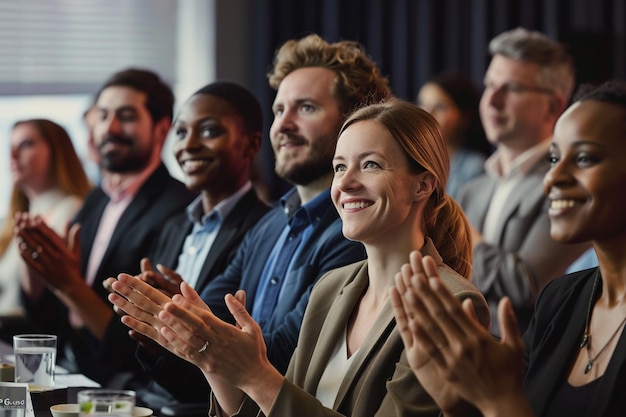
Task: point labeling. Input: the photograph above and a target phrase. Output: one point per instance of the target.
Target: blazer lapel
(333, 327)
(512, 203)
(176, 242)
(226, 234)
(527, 191)
(555, 363)
(379, 332)
(89, 229)
(129, 218)
(233, 226)
(139, 205)
(477, 211)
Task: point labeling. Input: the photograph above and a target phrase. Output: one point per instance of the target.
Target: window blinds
(72, 46)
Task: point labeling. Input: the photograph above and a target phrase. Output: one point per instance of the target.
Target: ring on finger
(34, 255)
(203, 348)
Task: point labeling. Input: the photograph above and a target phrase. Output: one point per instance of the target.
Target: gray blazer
(379, 381)
(525, 257)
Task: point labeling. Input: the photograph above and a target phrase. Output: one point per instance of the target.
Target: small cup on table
(106, 402)
(35, 360)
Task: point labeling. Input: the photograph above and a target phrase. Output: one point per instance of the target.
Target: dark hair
(612, 92)
(466, 97)
(419, 135)
(159, 96)
(242, 100)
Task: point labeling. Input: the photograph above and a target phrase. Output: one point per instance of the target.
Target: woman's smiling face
(586, 182)
(212, 146)
(373, 188)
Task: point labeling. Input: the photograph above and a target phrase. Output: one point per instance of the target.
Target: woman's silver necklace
(586, 340)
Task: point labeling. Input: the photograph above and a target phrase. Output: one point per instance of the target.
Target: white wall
(54, 54)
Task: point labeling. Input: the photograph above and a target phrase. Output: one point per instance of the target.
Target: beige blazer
(379, 381)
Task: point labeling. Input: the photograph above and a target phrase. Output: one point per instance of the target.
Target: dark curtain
(412, 40)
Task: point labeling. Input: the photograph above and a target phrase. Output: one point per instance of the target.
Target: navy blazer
(135, 236)
(325, 249)
(552, 342)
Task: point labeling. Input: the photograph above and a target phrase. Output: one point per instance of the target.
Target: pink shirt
(121, 196)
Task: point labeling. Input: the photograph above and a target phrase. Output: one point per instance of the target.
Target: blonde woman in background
(49, 181)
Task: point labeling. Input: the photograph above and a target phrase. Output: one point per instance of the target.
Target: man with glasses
(527, 86)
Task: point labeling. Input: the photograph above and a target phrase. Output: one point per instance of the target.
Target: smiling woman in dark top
(575, 346)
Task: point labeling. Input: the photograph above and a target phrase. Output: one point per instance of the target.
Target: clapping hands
(451, 353)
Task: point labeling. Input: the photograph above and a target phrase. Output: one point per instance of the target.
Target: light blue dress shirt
(203, 234)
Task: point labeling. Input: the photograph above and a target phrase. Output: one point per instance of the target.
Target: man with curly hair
(318, 85)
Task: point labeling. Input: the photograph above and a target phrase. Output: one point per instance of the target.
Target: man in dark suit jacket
(311, 104)
(118, 225)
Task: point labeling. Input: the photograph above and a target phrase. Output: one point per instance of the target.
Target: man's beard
(315, 166)
(306, 172)
(122, 162)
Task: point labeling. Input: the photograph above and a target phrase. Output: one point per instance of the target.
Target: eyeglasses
(518, 88)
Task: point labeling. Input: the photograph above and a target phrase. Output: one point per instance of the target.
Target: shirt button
(274, 280)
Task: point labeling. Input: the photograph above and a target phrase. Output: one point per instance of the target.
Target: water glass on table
(35, 360)
(106, 402)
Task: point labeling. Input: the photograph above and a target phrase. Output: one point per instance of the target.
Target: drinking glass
(106, 402)
(35, 359)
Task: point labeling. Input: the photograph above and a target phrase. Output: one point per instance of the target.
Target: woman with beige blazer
(390, 169)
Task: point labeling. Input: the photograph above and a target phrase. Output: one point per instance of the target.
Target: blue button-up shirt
(302, 220)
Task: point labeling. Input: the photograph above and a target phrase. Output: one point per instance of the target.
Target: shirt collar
(309, 213)
(195, 210)
(521, 165)
(128, 187)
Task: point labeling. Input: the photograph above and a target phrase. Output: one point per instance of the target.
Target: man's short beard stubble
(306, 172)
(317, 164)
(124, 162)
